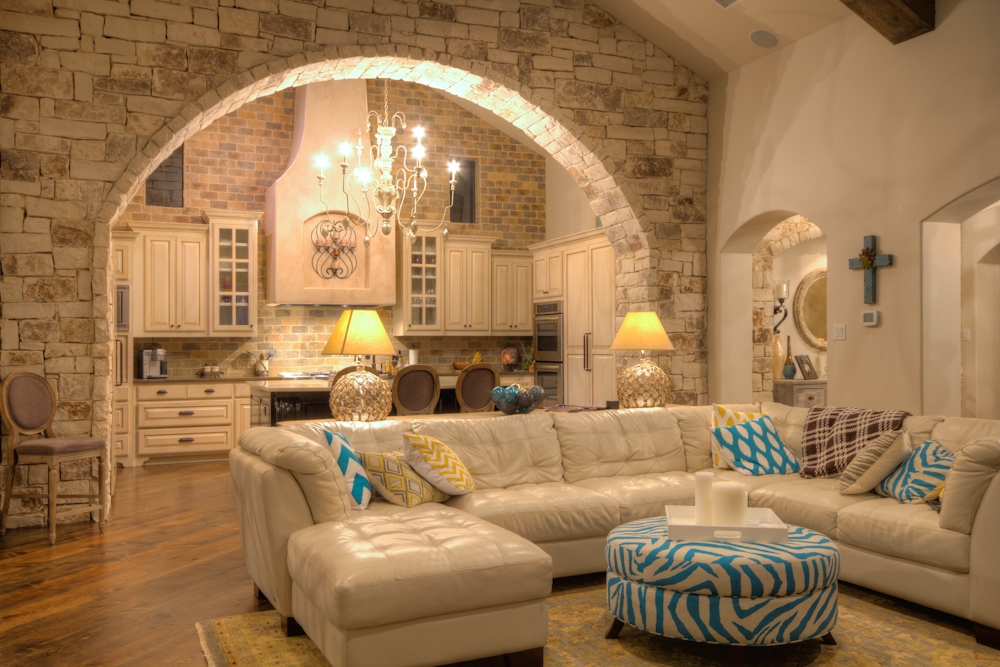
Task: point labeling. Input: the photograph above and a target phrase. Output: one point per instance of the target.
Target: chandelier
(386, 184)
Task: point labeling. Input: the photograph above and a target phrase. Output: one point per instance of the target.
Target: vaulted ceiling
(713, 40)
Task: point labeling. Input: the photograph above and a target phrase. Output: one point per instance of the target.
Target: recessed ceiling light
(725, 4)
(765, 39)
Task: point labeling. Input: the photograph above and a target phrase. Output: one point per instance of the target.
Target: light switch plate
(840, 332)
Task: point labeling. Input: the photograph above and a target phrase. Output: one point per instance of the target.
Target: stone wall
(782, 236)
(95, 93)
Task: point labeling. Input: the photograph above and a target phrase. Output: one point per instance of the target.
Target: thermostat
(871, 318)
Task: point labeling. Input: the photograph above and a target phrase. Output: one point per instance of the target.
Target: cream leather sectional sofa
(550, 487)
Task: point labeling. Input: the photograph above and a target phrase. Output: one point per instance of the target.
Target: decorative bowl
(517, 399)
(460, 365)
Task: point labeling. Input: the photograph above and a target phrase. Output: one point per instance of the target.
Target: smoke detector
(765, 39)
(726, 4)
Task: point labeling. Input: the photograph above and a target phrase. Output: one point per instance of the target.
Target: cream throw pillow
(397, 482)
(721, 418)
(976, 464)
(875, 462)
(438, 464)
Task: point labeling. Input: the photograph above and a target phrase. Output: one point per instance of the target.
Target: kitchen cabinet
(233, 273)
(243, 413)
(186, 420)
(467, 284)
(174, 266)
(587, 287)
(418, 286)
(548, 274)
(512, 304)
(121, 254)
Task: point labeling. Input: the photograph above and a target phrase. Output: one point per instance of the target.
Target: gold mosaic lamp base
(644, 385)
(360, 397)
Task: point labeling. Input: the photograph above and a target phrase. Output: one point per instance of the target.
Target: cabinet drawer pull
(185, 439)
(161, 391)
(186, 413)
(209, 391)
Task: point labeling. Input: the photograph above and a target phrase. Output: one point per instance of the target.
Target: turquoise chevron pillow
(920, 477)
(359, 487)
(755, 448)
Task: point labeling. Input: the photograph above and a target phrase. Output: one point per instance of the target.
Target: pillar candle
(703, 497)
(729, 504)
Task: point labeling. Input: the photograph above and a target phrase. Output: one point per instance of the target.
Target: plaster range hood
(326, 114)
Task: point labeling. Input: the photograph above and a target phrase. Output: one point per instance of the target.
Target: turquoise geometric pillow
(755, 448)
(359, 488)
(920, 477)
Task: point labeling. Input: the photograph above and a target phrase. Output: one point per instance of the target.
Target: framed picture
(806, 366)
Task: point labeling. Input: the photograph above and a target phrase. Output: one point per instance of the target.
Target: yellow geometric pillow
(397, 482)
(723, 416)
(438, 464)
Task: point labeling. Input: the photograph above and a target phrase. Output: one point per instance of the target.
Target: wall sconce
(780, 294)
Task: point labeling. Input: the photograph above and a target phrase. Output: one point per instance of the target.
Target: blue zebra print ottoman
(740, 594)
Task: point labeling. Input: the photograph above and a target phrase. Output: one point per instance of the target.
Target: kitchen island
(282, 400)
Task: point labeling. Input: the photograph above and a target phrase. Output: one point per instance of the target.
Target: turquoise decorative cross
(868, 261)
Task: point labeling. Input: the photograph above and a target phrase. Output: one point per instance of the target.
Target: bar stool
(474, 387)
(28, 407)
(416, 390)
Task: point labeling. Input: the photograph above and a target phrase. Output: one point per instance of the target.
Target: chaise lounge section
(549, 488)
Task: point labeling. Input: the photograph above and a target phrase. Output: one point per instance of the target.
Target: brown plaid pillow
(832, 437)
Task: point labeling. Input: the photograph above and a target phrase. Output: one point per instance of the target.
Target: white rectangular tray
(763, 525)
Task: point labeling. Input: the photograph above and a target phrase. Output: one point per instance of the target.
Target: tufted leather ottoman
(421, 586)
(740, 594)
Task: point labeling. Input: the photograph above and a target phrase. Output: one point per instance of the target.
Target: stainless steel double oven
(549, 358)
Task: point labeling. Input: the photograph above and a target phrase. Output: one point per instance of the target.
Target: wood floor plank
(170, 556)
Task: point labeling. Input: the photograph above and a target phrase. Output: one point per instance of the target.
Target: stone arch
(549, 127)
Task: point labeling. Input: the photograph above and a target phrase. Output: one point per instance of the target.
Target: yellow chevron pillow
(723, 416)
(397, 482)
(438, 464)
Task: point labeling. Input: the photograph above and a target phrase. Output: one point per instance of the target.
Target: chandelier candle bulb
(703, 480)
(729, 504)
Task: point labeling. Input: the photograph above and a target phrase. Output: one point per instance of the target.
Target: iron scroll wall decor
(334, 242)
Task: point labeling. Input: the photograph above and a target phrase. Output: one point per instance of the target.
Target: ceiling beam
(896, 20)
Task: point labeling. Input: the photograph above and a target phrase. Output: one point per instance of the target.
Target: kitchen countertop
(448, 381)
(224, 378)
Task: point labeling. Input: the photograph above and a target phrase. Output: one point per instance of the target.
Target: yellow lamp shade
(359, 332)
(642, 331)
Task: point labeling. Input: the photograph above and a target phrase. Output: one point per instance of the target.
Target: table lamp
(644, 385)
(361, 395)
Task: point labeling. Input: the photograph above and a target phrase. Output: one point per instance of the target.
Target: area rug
(872, 630)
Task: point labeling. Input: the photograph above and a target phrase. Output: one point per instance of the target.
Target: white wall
(942, 319)
(862, 137)
(793, 265)
(567, 210)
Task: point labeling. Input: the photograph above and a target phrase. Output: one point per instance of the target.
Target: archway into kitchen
(786, 294)
(305, 328)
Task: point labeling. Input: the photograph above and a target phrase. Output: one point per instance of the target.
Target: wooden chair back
(416, 390)
(27, 407)
(474, 387)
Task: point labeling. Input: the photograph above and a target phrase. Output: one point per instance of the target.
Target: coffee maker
(153, 364)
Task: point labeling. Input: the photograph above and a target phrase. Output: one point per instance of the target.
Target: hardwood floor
(169, 557)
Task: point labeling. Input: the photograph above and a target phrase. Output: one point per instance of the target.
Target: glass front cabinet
(233, 276)
(418, 293)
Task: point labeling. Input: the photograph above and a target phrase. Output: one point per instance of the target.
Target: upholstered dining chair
(349, 369)
(416, 389)
(474, 387)
(28, 407)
